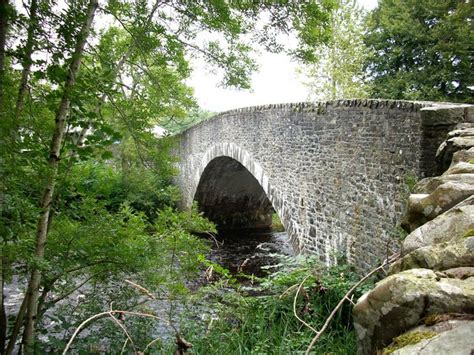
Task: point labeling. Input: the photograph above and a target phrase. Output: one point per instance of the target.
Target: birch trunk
(4, 8)
(54, 156)
(26, 60)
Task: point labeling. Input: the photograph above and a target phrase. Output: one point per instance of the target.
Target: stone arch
(329, 169)
(228, 155)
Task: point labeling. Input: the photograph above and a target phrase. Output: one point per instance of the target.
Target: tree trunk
(54, 156)
(26, 60)
(3, 315)
(17, 327)
(82, 135)
(4, 10)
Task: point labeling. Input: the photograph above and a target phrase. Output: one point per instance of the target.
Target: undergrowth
(266, 323)
(225, 317)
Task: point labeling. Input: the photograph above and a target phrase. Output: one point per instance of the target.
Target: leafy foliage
(85, 195)
(339, 71)
(105, 249)
(194, 117)
(422, 50)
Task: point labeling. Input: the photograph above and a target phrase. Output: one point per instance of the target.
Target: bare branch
(125, 331)
(346, 296)
(294, 305)
(110, 313)
(141, 288)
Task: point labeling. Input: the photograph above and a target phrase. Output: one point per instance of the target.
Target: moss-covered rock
(460, 168)
(463, 155)
(438, 257)
(469, 233)
(423, 208)
(401, 301)
(428, 185)
(458, 139)
(426, 305)
(459, 341)
(449, 226)
(462, 272)
(406, 339)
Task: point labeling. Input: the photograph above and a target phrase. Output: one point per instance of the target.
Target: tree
(5, 10)
(422, 50)
(132, 77)
(339, 72)
(48, 192)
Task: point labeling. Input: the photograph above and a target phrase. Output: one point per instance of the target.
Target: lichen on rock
(438, 257)
(449, 226)
(401, 301)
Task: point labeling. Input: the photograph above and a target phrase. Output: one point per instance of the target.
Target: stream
(249, 253)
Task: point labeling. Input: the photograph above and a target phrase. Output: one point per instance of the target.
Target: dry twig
(346, 296)
(288, 290)
(141, 288)
(111, 314)
(294, 305)
(125, 331)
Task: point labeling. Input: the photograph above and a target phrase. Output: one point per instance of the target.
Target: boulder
(458, 139)
(452, 225)
(426, 304)
(460, 168)
(463, 155)
(447, 114)
(463, 272)
(401, 301)
(438, 257)
(459, 340)
(422, 207)
(463, 130)
(428, 185)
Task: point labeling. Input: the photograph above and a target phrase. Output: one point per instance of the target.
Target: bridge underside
(232, 198)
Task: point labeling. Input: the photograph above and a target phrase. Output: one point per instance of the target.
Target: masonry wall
(335, 172)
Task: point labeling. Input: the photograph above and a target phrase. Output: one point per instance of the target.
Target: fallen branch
(150, 344)
(111, 314)
(182, 344)
(218, 244)
(346, 296)
(124, 346)
(294, 305)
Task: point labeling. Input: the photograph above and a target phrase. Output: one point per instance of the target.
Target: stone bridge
(337, 173)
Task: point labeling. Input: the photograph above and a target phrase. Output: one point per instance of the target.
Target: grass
(410, 181)
(266, 324)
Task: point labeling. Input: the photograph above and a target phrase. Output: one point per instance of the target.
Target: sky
(276, 81)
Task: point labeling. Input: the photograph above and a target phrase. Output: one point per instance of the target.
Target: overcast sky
(275, 82)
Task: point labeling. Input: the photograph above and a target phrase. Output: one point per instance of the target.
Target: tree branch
(346, 296)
